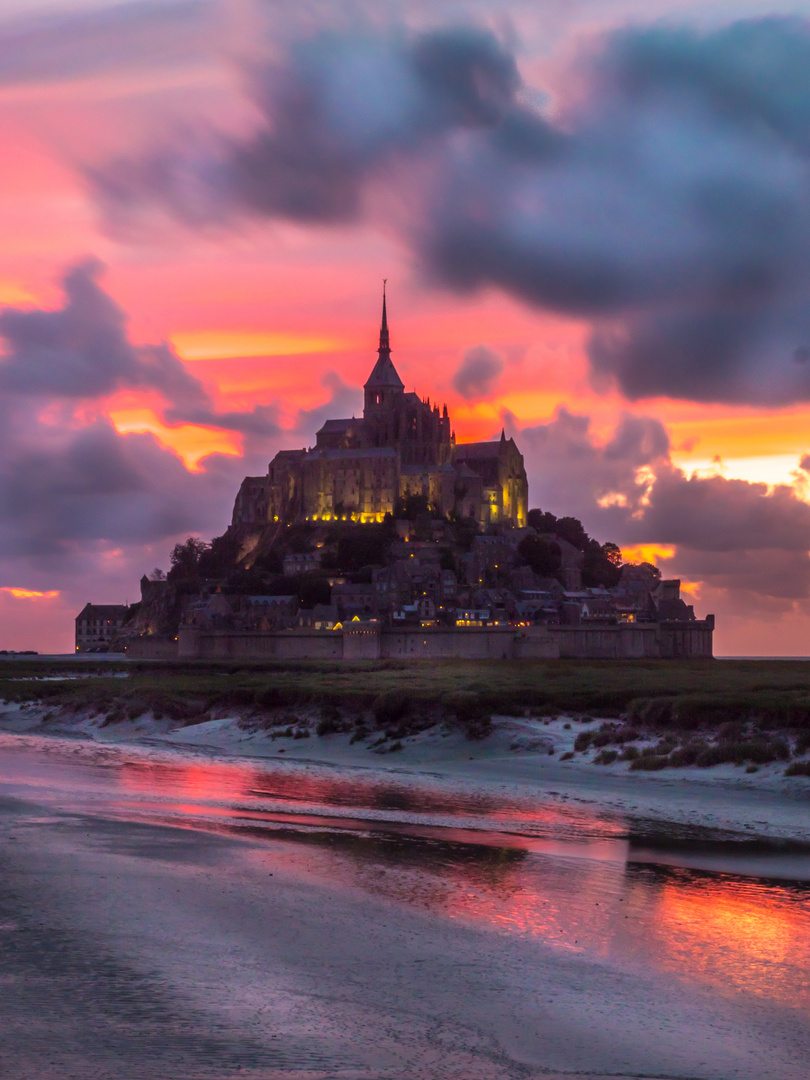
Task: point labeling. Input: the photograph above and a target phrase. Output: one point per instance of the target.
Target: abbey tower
(359, 468)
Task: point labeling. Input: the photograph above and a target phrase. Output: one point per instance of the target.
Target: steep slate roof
(102, 611)
(348, 455)
(385, 374)
(478, 450)
(333, 426)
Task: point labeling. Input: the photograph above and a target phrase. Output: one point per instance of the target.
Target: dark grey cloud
(671, 205)
(57, 46)
(570, 472)
(344, 401)
(668, 201)
(90, 485)
(734, 535)
(82, 351)
(70, 484)
(71, 491)
(717, 514)
(478, 373)
(339, 109)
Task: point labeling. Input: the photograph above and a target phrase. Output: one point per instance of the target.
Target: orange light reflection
(736, 935)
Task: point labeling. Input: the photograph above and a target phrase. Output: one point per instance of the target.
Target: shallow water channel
(727, 914)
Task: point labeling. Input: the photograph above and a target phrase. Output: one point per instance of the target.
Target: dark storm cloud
(344, 401)
(478, 373)
(729, 533)
(339, 109)
(571, 473)
(69, 481)
(82, 351)
(89, 485)
(673, 207)
(668, 201)
(57, 46)
(718, 514)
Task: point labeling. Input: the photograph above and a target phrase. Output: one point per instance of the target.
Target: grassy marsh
(703, 712)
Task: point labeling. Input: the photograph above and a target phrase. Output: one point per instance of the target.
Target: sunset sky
(594, 219)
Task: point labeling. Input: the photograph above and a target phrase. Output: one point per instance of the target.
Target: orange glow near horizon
(29, 594)
(194, 345)
(692, 588)
(190, 442)
(649, 553)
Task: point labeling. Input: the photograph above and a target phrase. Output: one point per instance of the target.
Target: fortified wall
(364, 641)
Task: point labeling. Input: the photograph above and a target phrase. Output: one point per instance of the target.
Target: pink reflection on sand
(214, 783)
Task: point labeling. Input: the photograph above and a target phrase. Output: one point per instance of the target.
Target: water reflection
(577, 879)
(736, 933)
(317, 792)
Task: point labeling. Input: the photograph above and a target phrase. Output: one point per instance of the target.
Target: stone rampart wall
(152, 647)
(495, 643)
(259, 645)
(624, 642)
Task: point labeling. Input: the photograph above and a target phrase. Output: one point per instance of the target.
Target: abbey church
(360, 468)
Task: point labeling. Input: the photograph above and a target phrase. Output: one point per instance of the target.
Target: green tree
(613, 553)
(570, 529)
(218, 559)
(600, 568)
(543, 556)
(542, 521)
(185, 559)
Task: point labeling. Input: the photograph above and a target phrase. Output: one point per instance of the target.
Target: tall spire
(384, 373)
(385, 345)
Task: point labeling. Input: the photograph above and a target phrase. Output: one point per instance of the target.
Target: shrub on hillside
(389, 707)
(469, 712)
(606, 757)
(649, 763)
(583, 741)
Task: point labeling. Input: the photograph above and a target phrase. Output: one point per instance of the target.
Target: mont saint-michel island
(405, 486)
(391, 539)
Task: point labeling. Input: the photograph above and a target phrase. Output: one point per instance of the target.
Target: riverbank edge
(514, 761)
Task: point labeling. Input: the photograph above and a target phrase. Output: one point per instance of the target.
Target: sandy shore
(514, 759)
(133, 949)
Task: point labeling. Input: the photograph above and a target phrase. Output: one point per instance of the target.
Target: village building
(97, 626)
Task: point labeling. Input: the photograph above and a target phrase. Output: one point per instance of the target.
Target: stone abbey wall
(631, 641)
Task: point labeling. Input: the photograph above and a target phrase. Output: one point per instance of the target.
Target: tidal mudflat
(164, 912)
